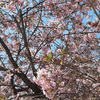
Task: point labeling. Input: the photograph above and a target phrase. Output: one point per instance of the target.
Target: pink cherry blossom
(50, 49)
(19, 1)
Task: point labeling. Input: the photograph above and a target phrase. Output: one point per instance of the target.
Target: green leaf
(1, 97)
(61, 62)
(29, 17)
(58, 81)
(0, 12)
(4, 6)
(87, 76)
(43, 75)
(60, 28)
(76, 58)
(51, 55)
(63, 51)
(48, 58)
(49, 90)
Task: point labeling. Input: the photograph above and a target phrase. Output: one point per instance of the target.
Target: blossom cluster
(60, 55)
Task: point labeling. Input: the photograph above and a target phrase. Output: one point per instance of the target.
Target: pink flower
(61, 84)
(2, 88)
(78, 80)
(84, 81)
(50, 96)
(19, 1)
(59, 51)
(85, 38)
(11, 6)
(99, 69)
(53, 83)
(66, 37)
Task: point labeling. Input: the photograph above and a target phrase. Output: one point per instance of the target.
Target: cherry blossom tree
(49, 49)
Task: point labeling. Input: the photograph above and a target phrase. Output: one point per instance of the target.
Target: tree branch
(3, 69)
(26, 45)
(31, 85)
(8, 53)
(94, 9)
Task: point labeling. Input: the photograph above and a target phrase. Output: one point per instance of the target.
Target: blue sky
(91, 13)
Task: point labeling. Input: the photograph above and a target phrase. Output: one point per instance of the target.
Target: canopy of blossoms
(49, 49)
